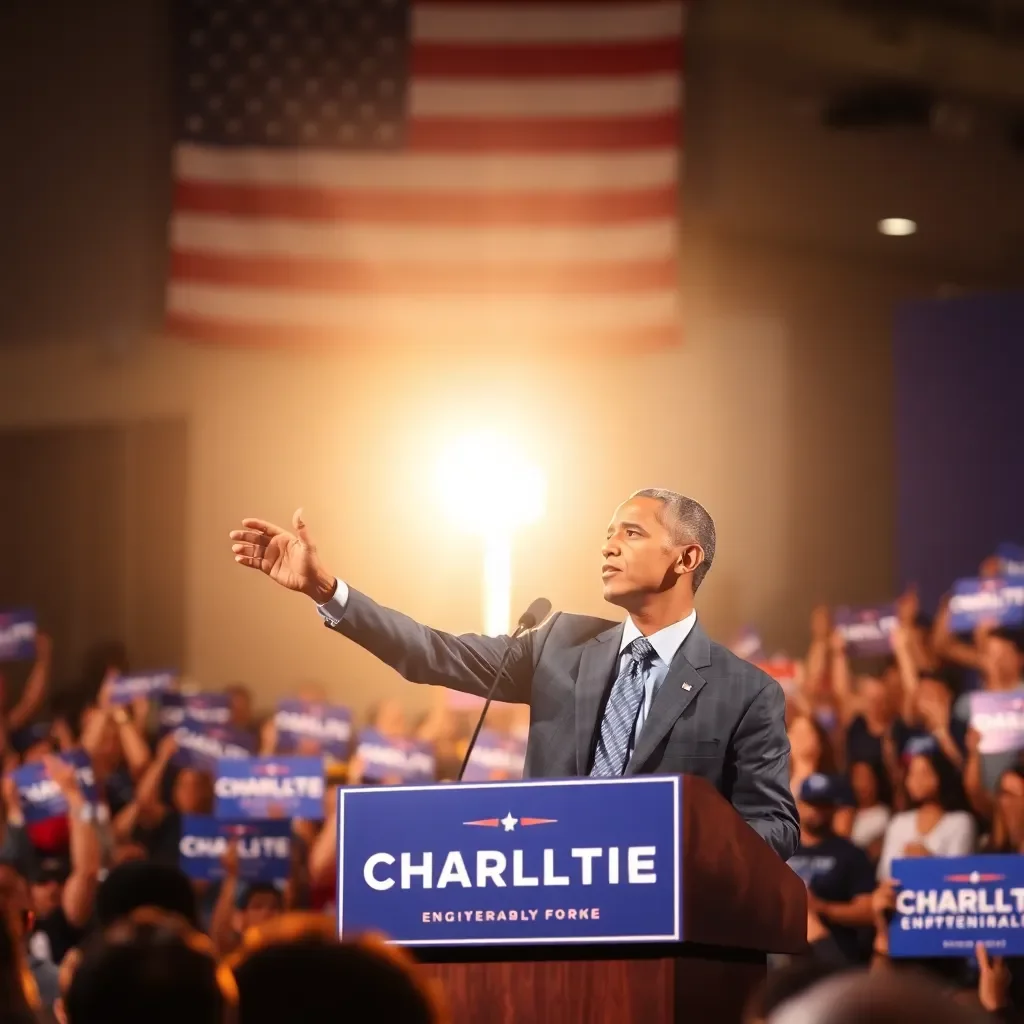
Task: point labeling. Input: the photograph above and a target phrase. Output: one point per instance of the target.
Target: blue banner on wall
(256, 788)
(40, 796)
(496, 757)
(201, 746)
(264, 848)
(867, 631)
(947, 904)
(308, 727)
(125, 689)
(394, 760)
(506, 863)
(17, 634)
(999, 600)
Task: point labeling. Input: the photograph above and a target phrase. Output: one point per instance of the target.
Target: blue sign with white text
(256, 788)
(505, 863)
(199, 746)
(309, 727)
(496, 757)
(394, 760)
(208, 708)
(41, 798)
(264, 848)
(998, 600)
(867, 630)
(17, 634)
(1011, 559)
(944, 905)
(125, 689)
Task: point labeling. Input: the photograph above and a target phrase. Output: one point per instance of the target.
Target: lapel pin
(687, 686)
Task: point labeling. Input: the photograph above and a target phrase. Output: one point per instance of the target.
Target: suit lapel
(678, 688)
(597, 670)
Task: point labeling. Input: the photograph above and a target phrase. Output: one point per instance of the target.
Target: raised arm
(419, 653)
(34, 693)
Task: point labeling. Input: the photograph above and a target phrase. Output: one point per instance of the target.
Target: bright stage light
(489, 489)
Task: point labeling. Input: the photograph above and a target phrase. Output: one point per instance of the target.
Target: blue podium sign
(509, 863)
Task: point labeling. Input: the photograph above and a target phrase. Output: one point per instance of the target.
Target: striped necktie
(621, 710)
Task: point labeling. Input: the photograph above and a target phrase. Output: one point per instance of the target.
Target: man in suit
(653, 694)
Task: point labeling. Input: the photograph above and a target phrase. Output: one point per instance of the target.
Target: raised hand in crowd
(36, 686)
(290, 559)
(993, 980)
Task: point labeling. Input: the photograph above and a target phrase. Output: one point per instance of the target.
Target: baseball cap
(826, 790)
(50, 869)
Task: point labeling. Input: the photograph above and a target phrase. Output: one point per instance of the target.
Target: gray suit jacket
(714, 715)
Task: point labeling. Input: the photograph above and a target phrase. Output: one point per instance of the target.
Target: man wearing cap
(838, 875)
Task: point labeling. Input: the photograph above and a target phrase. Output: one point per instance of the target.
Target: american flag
(372, 172)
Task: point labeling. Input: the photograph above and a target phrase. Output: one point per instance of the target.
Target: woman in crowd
(938, 823)
(872, 792)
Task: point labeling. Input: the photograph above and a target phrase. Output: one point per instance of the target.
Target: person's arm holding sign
(34, 693)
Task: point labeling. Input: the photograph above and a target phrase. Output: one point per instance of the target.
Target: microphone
(534, 615)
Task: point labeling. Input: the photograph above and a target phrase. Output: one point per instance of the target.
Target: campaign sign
(404, 761)
(1011, 559)
(999, 600)
(866, 630)
(947, 904)
(999, 719)
(256, 788)
(40, 796)
(125, 689)
(264, 848)
(508, 863)
(785, 671)
(172, 711)
(325, 728)
(496, 756)
(199, 746)
(748, 645)
(208, 708)
(17, 634)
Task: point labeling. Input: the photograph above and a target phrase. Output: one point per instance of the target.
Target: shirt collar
(666, 641)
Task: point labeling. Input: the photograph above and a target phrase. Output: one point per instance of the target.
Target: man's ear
(689, 558)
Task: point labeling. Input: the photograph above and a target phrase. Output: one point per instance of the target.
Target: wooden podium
(740, 902)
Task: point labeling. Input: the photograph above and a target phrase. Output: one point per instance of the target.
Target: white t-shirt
(952, 836)
(869, 824)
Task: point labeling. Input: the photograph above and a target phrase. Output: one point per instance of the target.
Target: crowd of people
(99, 923)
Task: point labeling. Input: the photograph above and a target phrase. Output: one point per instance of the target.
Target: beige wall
(353, 440)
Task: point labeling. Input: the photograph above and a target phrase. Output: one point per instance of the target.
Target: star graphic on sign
(509, 822)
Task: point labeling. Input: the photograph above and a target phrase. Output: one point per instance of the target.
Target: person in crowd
(33, 693)
(811, 752)
(295, 969)
(16, 911)
(1001, 661)
(819, 696)
(938, 823)
(241, 907)
(1007, 834)
(136, 884)
(389, 719)
(149, 967)
(837, 873)
(19, 997)
(151, 821)
(785, 983)
(872, 792)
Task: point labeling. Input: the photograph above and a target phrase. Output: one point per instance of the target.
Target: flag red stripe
(463, 209)
(532, 135)
(532, 60)
(303, 274)
(258, 335)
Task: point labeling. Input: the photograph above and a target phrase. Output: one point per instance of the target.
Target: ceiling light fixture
(897, 226)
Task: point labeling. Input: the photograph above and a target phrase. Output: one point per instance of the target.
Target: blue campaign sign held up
(17, 634)
(255, 788)
(973, 601)
(125, 689)
(506, 863)
(394, 760)
(306, 727)
(867, 630)
(496, 756)
(945, 905)
(1011, 559)
(41, 798)
(264, 848)
(199, 746)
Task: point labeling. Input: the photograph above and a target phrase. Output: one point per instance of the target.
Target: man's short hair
(139, 883)
(689, 522)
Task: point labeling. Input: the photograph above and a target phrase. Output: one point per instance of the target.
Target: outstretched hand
(287, 558)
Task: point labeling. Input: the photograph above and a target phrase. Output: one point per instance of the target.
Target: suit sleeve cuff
(333, 611)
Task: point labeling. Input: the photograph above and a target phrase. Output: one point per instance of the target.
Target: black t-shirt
(162, 841)
(836, 871)
(54, 935)
(862, 746)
